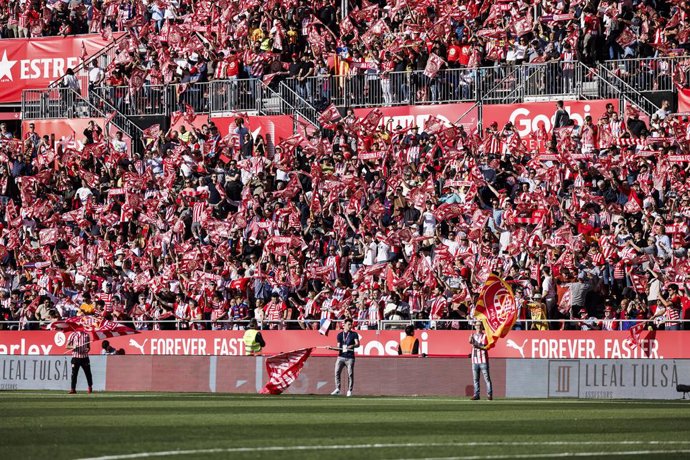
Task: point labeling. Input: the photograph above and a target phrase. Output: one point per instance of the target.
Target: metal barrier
(646, 74)
(440, 324)
(238, 95)
(500, 84)
(623, 90)
(301, 106)
(56, 103)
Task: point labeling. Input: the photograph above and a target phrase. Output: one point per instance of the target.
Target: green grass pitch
(51, 425)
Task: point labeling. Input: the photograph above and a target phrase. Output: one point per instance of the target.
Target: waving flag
(433, 65)
(496, 308)
(283, 370)
(98, 328)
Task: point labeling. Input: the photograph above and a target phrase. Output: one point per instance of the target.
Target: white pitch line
(170, 453)
(556, 455)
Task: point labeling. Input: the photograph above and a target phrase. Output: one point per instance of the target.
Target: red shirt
(454, 52)
(233, 68)
(465, 54)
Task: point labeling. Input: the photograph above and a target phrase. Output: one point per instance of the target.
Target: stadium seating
(202, 226)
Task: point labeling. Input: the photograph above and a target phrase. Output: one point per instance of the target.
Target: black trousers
(85, 364)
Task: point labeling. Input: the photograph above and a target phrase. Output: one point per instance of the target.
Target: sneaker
(72, 392)
(90, 390)
(335, 392)
(490, 398)
(474, 398)
(349, 393)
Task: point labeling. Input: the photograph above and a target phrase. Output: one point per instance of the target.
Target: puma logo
(510, 343)
(135, 344)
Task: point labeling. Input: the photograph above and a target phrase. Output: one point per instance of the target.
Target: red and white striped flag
(433, 65)
(99, 328)
(636, 334)
(283, 370)
(329, 115)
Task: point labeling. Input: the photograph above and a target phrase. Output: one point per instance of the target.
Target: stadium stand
(198, 228)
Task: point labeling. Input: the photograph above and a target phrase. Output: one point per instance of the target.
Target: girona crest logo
(496, 307)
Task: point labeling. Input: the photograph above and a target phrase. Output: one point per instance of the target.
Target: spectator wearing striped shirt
(480, 360)
(79, 344)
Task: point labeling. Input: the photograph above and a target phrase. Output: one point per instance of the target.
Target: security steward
(409, 345)
(253, 342)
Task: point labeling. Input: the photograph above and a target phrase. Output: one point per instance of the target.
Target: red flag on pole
(329, 115)
(496, 308)
(99, 328)
(283, 370)
(636, 334)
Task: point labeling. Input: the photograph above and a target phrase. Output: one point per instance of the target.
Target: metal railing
(122, 122)
(625, 91)
(56, 103)
(385, 324)
(203, 97)
(646, 74)
(499, 84)
(301, 106)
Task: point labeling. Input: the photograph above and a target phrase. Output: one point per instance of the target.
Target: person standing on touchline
(480, 360)
(348, 340)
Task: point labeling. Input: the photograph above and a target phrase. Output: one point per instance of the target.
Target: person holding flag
(496, 311)
(348, 340)
(79, 343)
(480, 361)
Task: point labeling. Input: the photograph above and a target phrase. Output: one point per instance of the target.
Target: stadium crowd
(196, 41)
(203, 229)
(359, 220)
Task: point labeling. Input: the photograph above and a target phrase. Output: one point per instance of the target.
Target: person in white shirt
(96, 76)
(370, 248)
(382, 251)
(664, 111)
(428, 221)
(548, 293)
(119, 145)
(83, 192)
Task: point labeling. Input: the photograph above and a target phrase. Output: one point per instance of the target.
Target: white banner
(596, 379)
(47, 373)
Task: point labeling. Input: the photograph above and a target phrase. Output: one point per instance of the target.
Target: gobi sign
(527, 118)
(35, 63)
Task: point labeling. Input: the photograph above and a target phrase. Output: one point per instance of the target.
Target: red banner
(520, 344)
(35, 63)
(417, 115)
(496, 308)
(528, 117)
(684, 100)
(283, 370)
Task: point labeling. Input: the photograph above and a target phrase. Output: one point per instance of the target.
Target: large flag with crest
(496, 308)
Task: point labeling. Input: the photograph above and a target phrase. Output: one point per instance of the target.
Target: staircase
(500, 85)
(120, 121)
(612, 86)
(104, 57)
(301, 107)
